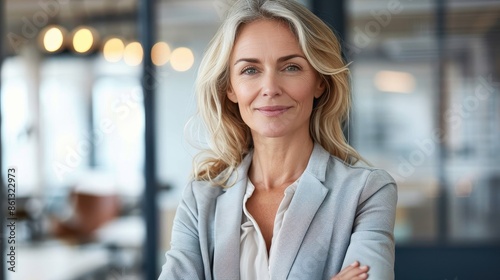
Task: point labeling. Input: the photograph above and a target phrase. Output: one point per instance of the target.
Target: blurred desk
(123, 232)
(57, 261)
(124, 238)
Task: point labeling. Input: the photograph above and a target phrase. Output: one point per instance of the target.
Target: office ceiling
(112, 16)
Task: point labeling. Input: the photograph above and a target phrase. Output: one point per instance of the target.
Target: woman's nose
(270, 85)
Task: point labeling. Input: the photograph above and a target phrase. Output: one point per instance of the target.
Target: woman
(277, 195)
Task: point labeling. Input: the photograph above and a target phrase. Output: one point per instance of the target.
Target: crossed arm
(371, 250)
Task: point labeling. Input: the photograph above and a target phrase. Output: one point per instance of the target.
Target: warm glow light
(113, 50)
(83, 40)
(160, 53)
(133, 54)
(53, 39)
(182, 59)
(392, 81)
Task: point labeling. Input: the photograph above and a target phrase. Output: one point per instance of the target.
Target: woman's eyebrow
(288, 57)
(252, 60)
(281, 59)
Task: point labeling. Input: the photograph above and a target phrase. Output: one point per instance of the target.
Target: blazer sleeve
(372, 238)
(184, 260)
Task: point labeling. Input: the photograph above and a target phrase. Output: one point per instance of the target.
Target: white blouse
(254, 261)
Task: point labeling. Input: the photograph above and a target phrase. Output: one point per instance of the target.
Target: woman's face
(272, 81)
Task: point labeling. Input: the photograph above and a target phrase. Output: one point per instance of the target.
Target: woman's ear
(320, 89)
(231, 95)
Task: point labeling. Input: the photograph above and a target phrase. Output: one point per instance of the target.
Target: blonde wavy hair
(229, 138)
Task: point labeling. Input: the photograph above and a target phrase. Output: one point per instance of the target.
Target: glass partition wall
(73, 127)
(426, 108)
(74, 115)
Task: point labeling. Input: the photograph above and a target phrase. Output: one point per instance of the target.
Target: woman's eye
(292, 68)
(249, 71)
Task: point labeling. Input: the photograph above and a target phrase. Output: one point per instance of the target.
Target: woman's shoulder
(323, 163)
(359, 168)
(360, 180)
(201, 192)
(357, 176)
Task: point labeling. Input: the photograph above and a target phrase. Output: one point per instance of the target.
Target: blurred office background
(426, 107)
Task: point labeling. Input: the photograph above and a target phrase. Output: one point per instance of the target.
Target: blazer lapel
(305, 203)
(228, 213)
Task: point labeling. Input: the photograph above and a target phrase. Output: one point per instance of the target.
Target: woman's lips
(273, 111)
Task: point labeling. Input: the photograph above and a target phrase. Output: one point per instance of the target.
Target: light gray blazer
(339, 214)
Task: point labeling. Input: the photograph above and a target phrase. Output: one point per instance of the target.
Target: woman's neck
(278, 162)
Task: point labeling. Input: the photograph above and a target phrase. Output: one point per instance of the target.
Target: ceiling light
(182, 59)
(160, 53)
(53, 38)
(84, 39)
(133, 54)
(113, 50)
(393, 81)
